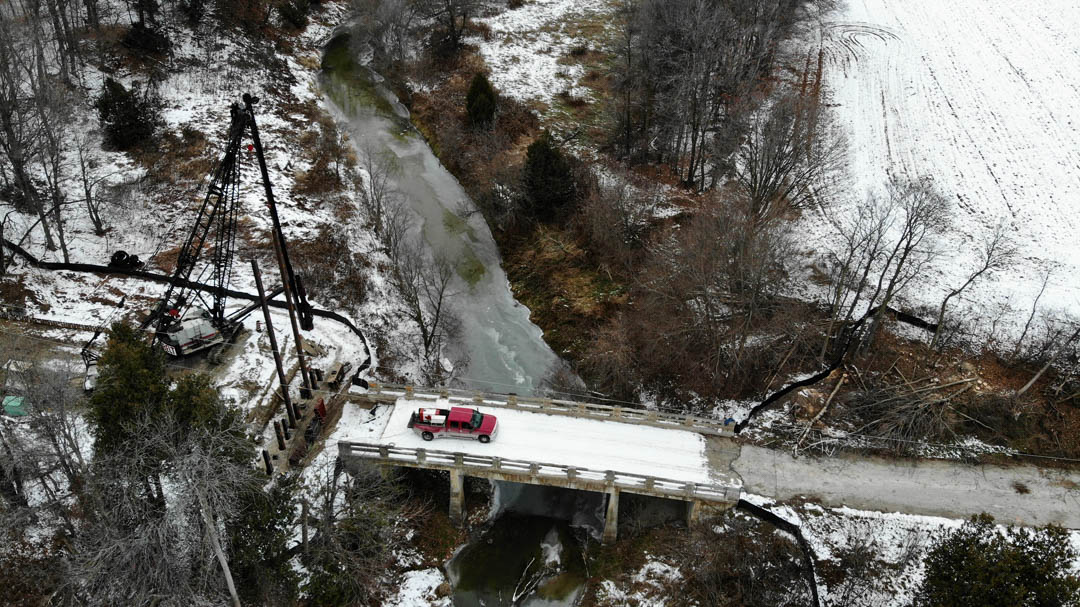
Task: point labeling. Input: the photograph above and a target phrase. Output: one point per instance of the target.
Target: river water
(505, 351)
(530, 553)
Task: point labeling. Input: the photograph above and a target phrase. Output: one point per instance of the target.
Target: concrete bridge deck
(558, 443)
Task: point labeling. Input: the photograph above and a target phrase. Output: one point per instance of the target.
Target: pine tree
(128, 117)
(549, 181)
(131, 385)
(480, 102)
(979, 566)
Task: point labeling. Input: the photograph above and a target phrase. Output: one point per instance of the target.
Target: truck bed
(414, 418)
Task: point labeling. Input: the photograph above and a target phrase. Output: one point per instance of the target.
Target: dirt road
(931, 487)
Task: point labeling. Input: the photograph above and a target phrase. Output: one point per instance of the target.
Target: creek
(530, 552)
(504, 351)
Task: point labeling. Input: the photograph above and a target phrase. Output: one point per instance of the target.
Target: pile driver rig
(180, 326)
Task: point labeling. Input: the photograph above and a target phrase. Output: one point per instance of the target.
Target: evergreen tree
(549, 182)
(131, 385)
(259, 541)
(979, 566)
(128, 117)
(480, 101)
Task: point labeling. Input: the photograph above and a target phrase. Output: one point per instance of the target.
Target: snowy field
(526, 44)
(551, 439)
(982, 96)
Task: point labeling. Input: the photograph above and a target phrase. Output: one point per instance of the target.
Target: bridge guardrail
(391, 392)
(634, 483)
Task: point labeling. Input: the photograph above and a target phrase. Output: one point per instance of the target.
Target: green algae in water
(470, 268)
(492, 566)
(352, 85)
(457, 225)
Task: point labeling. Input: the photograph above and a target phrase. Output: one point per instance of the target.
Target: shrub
(480, 101)
(248, 15)
(146, 39)
(193, 11)
(978, 565)
(128, 117)
(295, 12)
(548, 179)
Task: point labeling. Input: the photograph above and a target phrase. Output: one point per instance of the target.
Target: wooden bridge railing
(538, 472)
(392, 392)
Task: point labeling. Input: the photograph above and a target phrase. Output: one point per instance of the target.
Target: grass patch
(568, 295)
(439, 536)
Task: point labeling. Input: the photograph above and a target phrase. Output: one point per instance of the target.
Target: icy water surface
(530, 555)
(504, 349)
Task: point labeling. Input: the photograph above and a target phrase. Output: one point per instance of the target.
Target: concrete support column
(693, 512)
(611, 519)
(457, 498)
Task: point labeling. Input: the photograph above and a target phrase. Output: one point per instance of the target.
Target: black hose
(99, 269)
(809, 569)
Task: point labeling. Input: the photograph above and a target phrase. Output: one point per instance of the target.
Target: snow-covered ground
(983, 97)
(526, 44)
(896, 541)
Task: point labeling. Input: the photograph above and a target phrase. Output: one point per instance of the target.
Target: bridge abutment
(611, 518)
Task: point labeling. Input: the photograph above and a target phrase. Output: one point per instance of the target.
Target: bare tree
(375, 186)
(862, 241)
(84, 143)
(423, 283)
(452, 15)
(997, 252)
(1034, 308)
(616, 218)
(785, 158)
(19, 121)
(386, 26)
(708, 288)
(923, 213)
(355, 534)
(46, 454)
(1057, 349)
(139, 548)
(54, 120)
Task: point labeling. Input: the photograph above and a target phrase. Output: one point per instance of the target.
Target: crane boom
(218, 212)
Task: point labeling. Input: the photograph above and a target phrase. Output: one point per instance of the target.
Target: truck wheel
(484, 438)
(427, 435)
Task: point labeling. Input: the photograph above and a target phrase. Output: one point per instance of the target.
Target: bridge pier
(693, 512)
(611, 519)
(457, 498)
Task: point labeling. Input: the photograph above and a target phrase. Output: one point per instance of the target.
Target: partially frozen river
(528, 554)
(505, 351)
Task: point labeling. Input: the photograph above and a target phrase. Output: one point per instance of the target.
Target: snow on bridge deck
(526, 435)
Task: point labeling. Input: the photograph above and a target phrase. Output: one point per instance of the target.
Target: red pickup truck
(455, 422)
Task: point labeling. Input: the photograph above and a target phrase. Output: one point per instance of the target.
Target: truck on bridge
(455, 422)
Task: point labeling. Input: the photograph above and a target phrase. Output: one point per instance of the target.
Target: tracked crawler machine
(186, 322)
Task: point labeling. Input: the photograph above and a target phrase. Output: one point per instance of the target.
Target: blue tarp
(14, 406)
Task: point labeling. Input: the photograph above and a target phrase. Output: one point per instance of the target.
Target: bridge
(558, 443)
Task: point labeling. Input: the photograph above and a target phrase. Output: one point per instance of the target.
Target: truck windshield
(476, 418)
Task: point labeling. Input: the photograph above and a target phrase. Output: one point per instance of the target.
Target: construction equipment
(181, 327)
